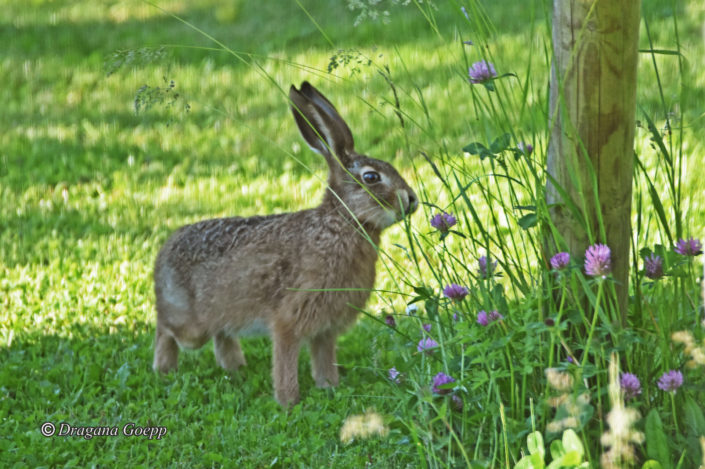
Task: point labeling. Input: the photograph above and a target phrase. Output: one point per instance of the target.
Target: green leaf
(532, 461)
(651, 464)
(500, 143)
(476, 148)
(655, 200)
(524, 463)
(571, 459)
(424, 291)
(659, 51)
(694, 419)
(431, 306)
(529, 221)
(657, 138)
(571, 442)
(656, 440)
(443, 411)
(497, 146)
(557, 449)
(535, 444)
(645, 252)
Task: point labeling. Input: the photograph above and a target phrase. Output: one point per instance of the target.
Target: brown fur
(220, 277)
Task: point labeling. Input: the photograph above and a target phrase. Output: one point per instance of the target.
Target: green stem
(693, 285)
(504, 433)
(556, 327)
(555, 330)
(594, 323)
(512, 404)
(673, 409)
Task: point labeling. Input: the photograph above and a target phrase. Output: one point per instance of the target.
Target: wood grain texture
(592, 117)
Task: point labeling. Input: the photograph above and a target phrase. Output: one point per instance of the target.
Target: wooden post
(592, 117)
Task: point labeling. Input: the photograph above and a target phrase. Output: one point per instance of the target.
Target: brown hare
(298, 276)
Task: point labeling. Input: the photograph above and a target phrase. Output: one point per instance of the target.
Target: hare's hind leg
(166, 351)
(228, 353)
(325, 371)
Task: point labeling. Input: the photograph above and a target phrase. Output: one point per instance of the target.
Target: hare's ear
(321, 125)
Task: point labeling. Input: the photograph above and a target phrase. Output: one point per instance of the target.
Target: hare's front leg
(166, 351)
(228, 353)
(325, 371)
(285, 369)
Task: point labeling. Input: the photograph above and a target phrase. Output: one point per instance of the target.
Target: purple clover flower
(484, 318)
(525, 148)
(560, 261)
(443, 221)
(653, 266)
(481, 72)
(426, 344)
(427, 327)
(598, 262)
(670, 381)
(389, 320)
(689, 247)
(439, 380)
(630, 385)
(484, 269)
(394, 375)
(455, 292)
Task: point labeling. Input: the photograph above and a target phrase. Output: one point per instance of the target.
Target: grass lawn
(90, 189)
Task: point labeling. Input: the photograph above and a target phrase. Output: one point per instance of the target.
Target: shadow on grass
(258, 27)
(87, 362)
(90, 375)
(86, 366)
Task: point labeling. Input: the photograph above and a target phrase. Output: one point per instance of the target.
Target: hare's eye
(370, 177)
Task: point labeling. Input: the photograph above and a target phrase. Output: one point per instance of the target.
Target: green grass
(89, 191)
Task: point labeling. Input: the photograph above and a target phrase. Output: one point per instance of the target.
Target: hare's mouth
(381, 217)
(391, 216)
(405, 209)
